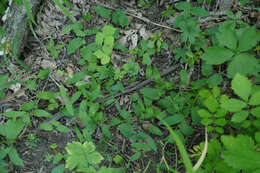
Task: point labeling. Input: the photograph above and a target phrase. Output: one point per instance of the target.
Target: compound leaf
(217, 55)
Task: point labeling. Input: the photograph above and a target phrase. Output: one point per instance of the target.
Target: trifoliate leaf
(237, 65)
(240, 116)
(104, 57)
(240, 153)
(81, 155)
(241, 86)
(217, 55)
(75, 44)
(255, 99)
(248, 39)
(233, 105)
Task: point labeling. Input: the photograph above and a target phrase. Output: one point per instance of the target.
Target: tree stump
(16, 25)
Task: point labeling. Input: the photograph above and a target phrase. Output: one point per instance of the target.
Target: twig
(141, 18)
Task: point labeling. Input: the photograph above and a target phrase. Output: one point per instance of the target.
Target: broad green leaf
(233, 105)
(240, 116)
(43, 74)
(126, 129)
(108, 30)
(204, 113)
(99, 38)
(155, 130)
(29, 106)
(257, 137)
(14, 157)
(103, 12)
(109, 41)
(227, 37)
(74, 44)
(15, 114)
(141, 146)
(184, 76)
(183, 6)
(66, 100)
(255, 99)
(46, 126)
(11, 129)
(146, 59)
(58, 169)
(256, 112)
(217, 55)
(237, 65)
(175, 119)
(240, 153)
(111, 170)
(106, 131)
(42, 113)
(60, 127)
(198, 11)
(214, 80)
(81, 155)
(151, 93)
(119, 17)
(248, 39)
(105, 59)
(211, 103)
(241, 86)
(206, 69)
(118, 159)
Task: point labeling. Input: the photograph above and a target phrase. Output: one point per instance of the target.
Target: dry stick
(141, 18)
(137, 86)
(58, 115)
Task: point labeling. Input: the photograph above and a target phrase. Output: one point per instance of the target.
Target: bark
(16, 24)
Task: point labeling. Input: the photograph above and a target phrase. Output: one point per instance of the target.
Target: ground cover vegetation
(200, 114)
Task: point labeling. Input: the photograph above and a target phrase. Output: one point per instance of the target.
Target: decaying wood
(16, 24)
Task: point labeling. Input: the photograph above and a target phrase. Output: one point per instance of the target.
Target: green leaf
(141, 146)
(109, 41)
(29, 106)
(233, 105)
(175, 119)
(126, 129)
(43, 74)
(214, 80)
(60, 127)
(108, 30)
(103, 12)
(241, 86)
(46, 126)
(198, 11)
(74, 44)
(184, 76)
(240, 116)
(204, 113)
(237, 65)
(211, 103)
(118, 159)
(42, 113)
(227, 37)
(29, 11)
(240, 153)
(183, 6)
(119, 17)
(11, 129)
(256, 112)
(81, 155)
(99, 38)
(217, 55)
(155, 130)
(255, 99)
(151, 93)
(14, 157)
(58, 169)
(67, 102)
(105, 59)
(248, 39)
